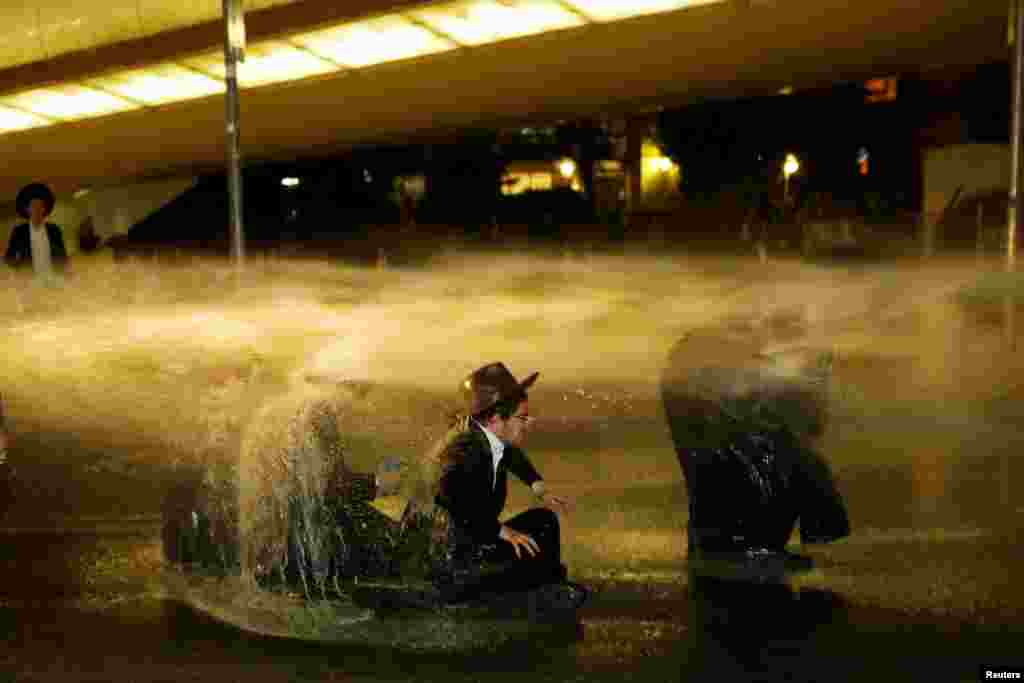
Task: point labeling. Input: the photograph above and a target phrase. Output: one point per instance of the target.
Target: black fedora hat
(492, 383)
(34, 191)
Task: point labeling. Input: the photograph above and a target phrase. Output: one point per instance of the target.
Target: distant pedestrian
(88, 240)
(37, 243)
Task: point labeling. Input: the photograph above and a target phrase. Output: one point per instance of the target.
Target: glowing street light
(290, 181)
(789, 167)
(567, 167)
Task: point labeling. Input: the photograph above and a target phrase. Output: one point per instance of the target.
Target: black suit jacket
(19, 248)
(466, 492)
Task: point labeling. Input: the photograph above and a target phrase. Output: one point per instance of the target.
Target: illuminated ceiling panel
(609, 10)
(12, 119)
(159, 84)
(265, 62)
(20, 42)
(66, 26)
(157, 16)
(373, 41)
(474, 22)
(67, 102)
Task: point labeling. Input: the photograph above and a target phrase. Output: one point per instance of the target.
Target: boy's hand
(558, 502)
(519, 540)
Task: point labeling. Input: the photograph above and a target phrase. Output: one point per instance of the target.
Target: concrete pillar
(927, 231)
(636, 129)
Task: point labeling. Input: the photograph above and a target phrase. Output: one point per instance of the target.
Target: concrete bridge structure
(100, 92)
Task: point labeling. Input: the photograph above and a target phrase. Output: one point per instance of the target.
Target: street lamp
(567, 167)
(789, 167)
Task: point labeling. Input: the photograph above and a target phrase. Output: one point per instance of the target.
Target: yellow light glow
(159, 84)
(12, 119)
(649, 150)
(474, 22)
(290, 181)
(791, 165)
(515, 183)
(541, 181)
(374, 41)
(654, 161)
(567, 167)
(68, 102)
(265, 63)
(656, 165)
(610, 10)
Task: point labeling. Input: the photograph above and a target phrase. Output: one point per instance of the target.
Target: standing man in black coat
(486, 554)
(37, 244)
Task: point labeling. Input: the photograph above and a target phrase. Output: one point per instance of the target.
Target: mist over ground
(133, 372)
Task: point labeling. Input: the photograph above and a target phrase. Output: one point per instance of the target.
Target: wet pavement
(925, 448)
(91, 605)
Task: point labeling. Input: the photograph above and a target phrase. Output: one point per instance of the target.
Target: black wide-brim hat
(491, 384)
(34, 191)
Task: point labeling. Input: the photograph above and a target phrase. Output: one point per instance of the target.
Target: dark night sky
(721, 143)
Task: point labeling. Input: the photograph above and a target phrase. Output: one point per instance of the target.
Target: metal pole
(232, 55)
(979, 245)
(1015, 203)
(1015, 207)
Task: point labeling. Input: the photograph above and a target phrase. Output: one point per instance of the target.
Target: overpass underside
(319, 78)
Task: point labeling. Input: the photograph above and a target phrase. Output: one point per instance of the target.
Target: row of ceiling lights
(434, 28)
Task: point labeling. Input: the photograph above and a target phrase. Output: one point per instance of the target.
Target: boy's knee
(547, 517)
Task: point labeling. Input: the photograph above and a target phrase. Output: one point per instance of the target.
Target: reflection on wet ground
(86, 607)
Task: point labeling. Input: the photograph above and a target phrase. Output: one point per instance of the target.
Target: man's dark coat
(19, 248)
(466, 490)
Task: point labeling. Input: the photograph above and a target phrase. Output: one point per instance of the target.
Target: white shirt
(497, 450)
(42, 264)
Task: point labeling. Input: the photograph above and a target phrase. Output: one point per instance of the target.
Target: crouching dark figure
(742, 425)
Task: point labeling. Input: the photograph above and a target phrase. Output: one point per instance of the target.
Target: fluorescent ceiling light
(373, 41)
(159, 84)
(474, 22)
(609, 10)
(68, 102)
(266, 62)
(12, 119)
